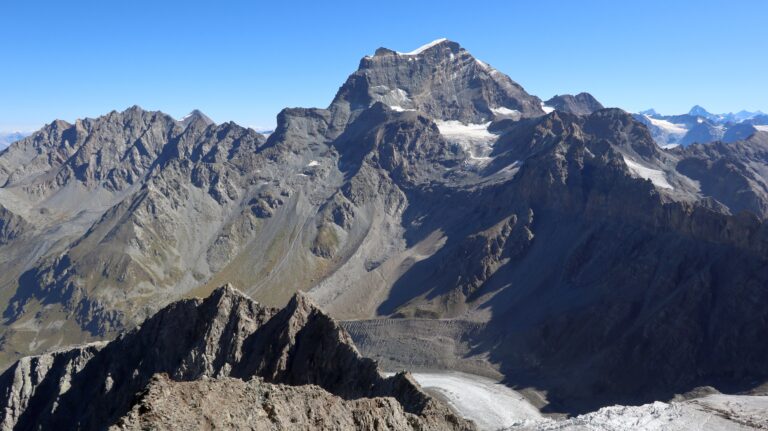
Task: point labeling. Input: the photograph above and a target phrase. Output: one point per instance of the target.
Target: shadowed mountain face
(433, 186)
(226, 339)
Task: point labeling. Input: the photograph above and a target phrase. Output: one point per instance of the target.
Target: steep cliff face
(226, 345)
(440, 79)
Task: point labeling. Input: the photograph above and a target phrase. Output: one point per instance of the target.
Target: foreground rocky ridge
(243, 358)
(433, 187)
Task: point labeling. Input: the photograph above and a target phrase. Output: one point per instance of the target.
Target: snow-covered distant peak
(423, 48)
(698, 110)
(7, 138)
(547, 109)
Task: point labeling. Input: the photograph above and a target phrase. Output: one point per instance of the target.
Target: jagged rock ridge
(208, 343)
(580, 104)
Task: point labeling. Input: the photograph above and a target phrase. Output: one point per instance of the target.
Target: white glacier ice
(657, 177)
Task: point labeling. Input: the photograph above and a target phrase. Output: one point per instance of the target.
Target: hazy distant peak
(196, 115)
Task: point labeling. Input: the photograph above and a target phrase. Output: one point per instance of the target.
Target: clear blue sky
(245, 60)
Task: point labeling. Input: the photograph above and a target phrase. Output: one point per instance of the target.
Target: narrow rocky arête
(224, 361)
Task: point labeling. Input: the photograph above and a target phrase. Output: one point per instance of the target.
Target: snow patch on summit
(423, 48)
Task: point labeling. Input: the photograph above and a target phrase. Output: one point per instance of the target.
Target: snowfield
(710, 413)
(475, 139)
(656, 176)
(671, 128)
(506, 112)
(665, 132)
(399, 108)
(491, 405)
(761, 128)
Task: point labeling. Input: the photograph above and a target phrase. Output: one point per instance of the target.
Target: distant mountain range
(7, 138)
(701, 126)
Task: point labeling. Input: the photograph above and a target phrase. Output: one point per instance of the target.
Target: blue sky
(245, 60)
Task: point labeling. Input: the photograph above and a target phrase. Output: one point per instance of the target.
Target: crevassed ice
(656, 176)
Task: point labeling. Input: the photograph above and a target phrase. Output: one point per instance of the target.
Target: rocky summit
(449, 217)
(580, 104)
(221, 362)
